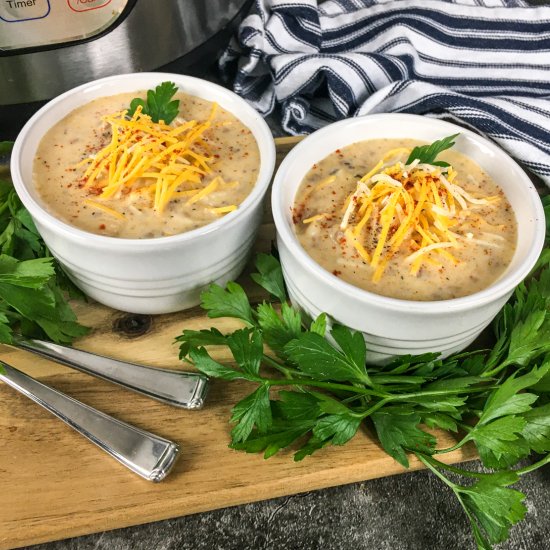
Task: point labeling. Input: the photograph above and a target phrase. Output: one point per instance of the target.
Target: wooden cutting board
(55, 484)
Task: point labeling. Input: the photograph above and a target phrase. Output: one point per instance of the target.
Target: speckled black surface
(407, 512)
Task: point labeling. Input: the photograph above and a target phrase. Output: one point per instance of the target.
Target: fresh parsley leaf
(329, 405)
(46, 308)
(313, 444)
(29, 273)
(411, 364)
(297, 406)
(544, 258)
(212, 368)
(352, 344)
(530, 338)
(493, 507)
(543, 385)
(61, 325)
(191, 339)
(158, 105)
(247, 348)
(229, 302)
(338, 428)
(498, 432)
(476, 364)
(458, 383)
(273, 441)
(279, 330)
(395, 382)
(522, 328)
(427, 154)
(439, 420)
(506, 399)
(291, 318)
(31, 300)
(537, 429)
(516, 404)
(499, 443)
(440, 403)
(253, 411)
(316, 357)
(18, 235)
(319, 325)
(293, 415)
(270, 276)
(398, 433)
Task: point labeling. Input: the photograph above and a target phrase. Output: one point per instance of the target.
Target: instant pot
(50, 46)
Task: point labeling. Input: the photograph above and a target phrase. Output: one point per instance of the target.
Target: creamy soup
(212, 173)
(433, 252)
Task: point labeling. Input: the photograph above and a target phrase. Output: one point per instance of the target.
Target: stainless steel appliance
(49, 46)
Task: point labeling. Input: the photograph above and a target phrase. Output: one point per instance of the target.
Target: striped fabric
(482, 63)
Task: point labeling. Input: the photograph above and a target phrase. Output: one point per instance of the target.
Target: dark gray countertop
(411, 511)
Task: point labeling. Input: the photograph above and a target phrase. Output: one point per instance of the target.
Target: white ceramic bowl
(146, 275)
(390, 326)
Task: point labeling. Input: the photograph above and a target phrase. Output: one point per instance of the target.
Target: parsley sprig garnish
(427, 154)
(32, 285)
(159, 104)
(312, 392)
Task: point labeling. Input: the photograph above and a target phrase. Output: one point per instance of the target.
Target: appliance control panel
(42, 23)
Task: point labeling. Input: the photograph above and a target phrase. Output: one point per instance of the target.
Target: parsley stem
(466, 427)
(436, 393)
(454, 469)
(535, 466)
(454, 447)
(432, 464)
(288, 372)
(375, 407)
(429, 463)
(324, 385)
(496, 370)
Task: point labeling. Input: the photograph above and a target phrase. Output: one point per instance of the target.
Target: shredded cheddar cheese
(224, 209)
(210, 188)
(315, 218)
(414, 206)
(105, 208)
(145, 158)
(409, 208)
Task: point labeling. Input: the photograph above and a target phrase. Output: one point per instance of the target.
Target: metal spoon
(146, 454)
(181, 389)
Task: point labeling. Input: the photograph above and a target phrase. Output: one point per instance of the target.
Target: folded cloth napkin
(483, 63)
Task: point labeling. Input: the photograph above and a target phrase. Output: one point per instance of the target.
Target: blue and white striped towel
(485, 63)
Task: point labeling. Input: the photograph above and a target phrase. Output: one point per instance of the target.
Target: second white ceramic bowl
(146, 275)
(393, 327)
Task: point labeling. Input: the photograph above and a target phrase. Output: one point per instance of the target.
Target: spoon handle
(146, 454)
(181, 389)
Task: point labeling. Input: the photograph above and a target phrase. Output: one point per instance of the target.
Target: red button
(86, 5)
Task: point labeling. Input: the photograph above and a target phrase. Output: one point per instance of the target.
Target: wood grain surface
(55, 484)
